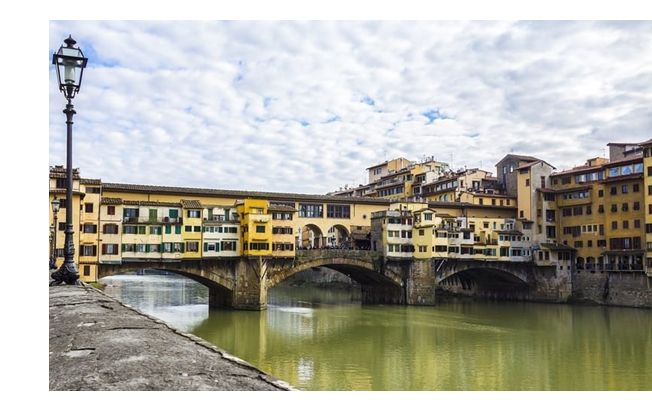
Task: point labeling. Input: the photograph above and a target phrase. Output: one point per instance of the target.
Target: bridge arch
(507, 272)
(339, 237)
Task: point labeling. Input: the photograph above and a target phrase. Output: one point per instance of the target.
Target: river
(317, 339)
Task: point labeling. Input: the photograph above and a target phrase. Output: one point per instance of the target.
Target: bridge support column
(251, 284)
(421, 283)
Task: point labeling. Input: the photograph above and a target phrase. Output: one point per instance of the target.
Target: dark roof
(151, 203)
(111, 200)
(623, 178)
(532, 163)
(240, 194)
(565, 190)
(519, 157)
(624, 160)
(191, 204)
(581, 168)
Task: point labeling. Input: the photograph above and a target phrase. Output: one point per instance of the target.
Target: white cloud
(306, 107)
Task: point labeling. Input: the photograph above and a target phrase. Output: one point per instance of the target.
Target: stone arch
(488, 270)
(310, 236)
(338, 236)
(361, 271)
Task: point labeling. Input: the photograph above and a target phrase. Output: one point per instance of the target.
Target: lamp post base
(67, 274)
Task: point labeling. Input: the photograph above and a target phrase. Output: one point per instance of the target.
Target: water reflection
(328, 340)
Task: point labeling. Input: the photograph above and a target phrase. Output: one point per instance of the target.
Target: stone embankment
(100, 344)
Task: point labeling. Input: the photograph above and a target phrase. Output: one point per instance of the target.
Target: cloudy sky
(306, 107)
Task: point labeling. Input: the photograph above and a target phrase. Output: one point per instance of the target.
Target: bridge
(243, 282)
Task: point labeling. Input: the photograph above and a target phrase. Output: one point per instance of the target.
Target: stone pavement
(100, 344)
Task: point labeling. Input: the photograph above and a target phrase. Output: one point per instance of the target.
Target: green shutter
(168, 229)
(183, 247)
(205, 246)
(177, 229)
(123, 248)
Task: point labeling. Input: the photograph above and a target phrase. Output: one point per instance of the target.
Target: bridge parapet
(372, 257)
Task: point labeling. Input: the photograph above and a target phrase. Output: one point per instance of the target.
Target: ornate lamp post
(69, 63)
(56, 203)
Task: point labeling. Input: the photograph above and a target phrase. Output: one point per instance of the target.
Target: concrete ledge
(100, 344)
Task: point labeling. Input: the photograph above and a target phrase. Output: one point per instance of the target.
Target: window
(613, 191)
(614, 207)
(192, 246)
(258, 246)
(110, 210)
(90, 228)
(131, 212)
(637, 223)
(527, 182)
(194, 214)
(637, 205)
(614, 225)
(311, 211)
(635, 188)
(337, 211)
(601, 208)
(130, 229)
(625, 224)
(88, 207)
(89, 250)
(154, 230)
(422, 232)
(109, 248)
(110, 229)
(196, 228)
(625, 206)
(260, 228)
(600, 193)
(625, 189)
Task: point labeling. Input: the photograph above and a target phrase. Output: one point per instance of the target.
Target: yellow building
(647, 202)
(284, 239)
(57, 188)
(191, 234)
(256, 227)
(601, 211)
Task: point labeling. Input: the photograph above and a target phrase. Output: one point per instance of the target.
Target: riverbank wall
(611, 288)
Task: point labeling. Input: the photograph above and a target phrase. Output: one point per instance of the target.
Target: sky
(299, 106)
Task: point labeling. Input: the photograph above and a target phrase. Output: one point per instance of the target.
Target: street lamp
(56, 204)
(69, 63)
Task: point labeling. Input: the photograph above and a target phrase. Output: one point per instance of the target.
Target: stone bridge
(243, 282)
